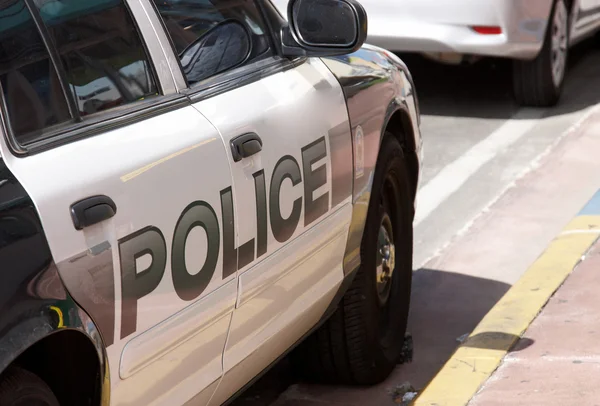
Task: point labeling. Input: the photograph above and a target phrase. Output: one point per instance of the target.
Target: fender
(394, 107)
(370, 79)
(33, 300)
(376, 86)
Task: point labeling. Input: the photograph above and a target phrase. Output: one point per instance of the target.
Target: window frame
(167, 99)
(233, 78)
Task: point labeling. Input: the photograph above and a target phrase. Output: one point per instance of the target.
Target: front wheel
(362, 341)
(539, 82)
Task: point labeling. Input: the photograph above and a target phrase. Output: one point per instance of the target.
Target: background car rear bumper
(447, 26)
(452, 39)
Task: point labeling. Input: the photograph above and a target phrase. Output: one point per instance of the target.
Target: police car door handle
(245, 145)
(92, 210)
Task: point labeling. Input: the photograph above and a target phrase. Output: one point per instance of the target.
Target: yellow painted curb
(482, 352)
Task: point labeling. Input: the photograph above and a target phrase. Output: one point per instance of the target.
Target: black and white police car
(192, 189)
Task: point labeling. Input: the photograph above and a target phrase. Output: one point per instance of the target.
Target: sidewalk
(557, 361)
(539, 345)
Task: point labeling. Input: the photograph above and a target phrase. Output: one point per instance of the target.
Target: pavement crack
(466, 363)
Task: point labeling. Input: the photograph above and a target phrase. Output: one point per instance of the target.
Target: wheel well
(400, 126)
(68, 362)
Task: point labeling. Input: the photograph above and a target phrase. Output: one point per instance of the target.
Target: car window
(99, 46)
(33, 96)
(212, 36)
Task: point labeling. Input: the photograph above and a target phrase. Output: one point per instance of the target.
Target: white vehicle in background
(535, 34)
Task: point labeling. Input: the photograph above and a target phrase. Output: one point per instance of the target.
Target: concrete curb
(475, 360)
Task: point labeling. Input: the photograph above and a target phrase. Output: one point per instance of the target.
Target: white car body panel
(288, 110)
(285, 296)
(137, 166)
(276, 108)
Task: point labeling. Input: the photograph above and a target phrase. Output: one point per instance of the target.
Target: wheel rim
(560, 26)
(386, 259)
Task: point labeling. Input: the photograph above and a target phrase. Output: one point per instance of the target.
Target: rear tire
(19, 387)
(362, 342)
(539, 82)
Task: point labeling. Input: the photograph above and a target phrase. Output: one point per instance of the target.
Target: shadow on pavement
(445, 306)
(484, 89)
(495, 340)
(267, 389)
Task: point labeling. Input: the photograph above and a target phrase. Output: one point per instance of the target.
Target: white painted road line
(454, 175)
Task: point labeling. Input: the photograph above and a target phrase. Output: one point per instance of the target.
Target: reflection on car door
(149, 274)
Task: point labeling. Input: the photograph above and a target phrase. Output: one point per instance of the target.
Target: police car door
(285, 127)
(128, 179)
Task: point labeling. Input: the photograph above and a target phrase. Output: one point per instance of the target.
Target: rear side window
(213, 36)
(33, 94)
(103, 56)
(64, 60)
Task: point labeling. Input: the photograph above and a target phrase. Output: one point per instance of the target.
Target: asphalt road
(492, 195)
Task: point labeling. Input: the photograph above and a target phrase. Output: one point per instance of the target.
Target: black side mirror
(324, 27)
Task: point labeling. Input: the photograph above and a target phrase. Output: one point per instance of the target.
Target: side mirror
(324, 27)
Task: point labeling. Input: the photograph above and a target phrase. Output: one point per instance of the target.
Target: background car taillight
(487, 30)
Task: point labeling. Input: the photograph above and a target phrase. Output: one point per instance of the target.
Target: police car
(192, 189)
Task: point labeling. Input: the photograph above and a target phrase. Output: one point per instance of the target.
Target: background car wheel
(362, 342)
(539, 82)
(19, 387)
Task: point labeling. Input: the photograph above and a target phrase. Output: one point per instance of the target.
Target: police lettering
(189, 284)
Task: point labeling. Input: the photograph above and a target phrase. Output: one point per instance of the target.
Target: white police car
(190, 189)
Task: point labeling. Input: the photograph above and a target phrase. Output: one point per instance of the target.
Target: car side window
(213, 36)
(104, 59)
(64, 60)
(31, 89)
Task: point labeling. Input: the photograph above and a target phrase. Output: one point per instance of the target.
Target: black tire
(533, 83)
(19, 387)
(362, 342)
